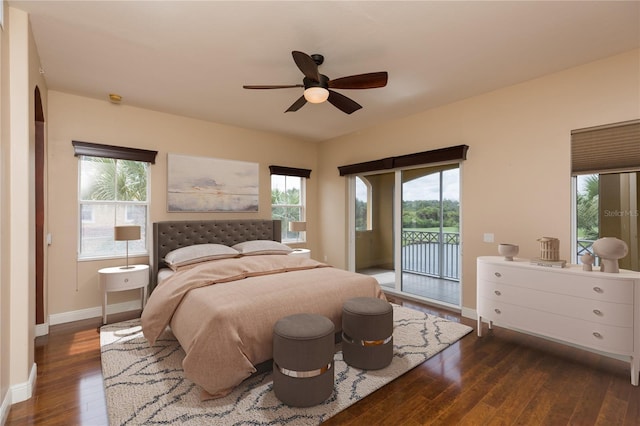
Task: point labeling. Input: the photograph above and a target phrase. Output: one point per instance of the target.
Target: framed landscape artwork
(201, 184)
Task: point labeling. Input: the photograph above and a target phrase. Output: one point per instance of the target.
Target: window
(605, 165)
(288, 204)
(288, 200)
(363, 204)
(587, 213)
(111, 192)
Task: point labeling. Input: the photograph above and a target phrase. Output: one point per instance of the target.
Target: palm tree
(588, 208)
(132, 180)
(121, 180)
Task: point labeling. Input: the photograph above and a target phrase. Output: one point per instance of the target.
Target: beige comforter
(225, 329)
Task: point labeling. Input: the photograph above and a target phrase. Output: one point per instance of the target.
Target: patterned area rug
(145, 385)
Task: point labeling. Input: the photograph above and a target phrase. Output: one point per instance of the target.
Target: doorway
(406, 231)
(39, 204)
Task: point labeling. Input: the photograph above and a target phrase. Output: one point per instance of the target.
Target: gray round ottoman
(303, 349)
(367, 333)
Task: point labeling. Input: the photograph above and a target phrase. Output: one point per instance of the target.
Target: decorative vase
(587, 262)
(549, 248)
(609, 250)
(508, 250)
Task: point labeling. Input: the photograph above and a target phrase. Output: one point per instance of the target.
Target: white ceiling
(192, 58)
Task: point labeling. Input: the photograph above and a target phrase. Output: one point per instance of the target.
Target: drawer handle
(598, 290)
(126, 280)
(597, 312)
(497, 311)
(497, 292)
(597, 335)
(497, 274)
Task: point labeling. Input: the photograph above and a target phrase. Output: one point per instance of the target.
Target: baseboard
(5, 407)
(95, 312)
(41, 330)
(469, 313)
(23, 391)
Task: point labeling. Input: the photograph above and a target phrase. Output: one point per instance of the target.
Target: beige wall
(4, 211)
(515, 182)
(73, 285)
(20, 212)
(19, 77)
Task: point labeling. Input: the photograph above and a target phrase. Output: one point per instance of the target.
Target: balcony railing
(421, 253)
(424, 253)
(584, 247)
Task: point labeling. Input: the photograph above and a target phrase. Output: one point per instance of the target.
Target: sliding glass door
(406, 231)
(430, 238)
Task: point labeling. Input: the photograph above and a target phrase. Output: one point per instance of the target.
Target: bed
(222, 309)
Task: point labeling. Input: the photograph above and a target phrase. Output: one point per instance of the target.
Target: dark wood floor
(503, 378)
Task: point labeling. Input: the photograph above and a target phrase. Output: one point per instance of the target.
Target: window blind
(609, 148)
(111, 151)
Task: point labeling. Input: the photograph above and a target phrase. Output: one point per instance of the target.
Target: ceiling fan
(317, 87)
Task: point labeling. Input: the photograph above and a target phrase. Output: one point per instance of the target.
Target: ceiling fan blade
(307, 65)
(281, 86)
(297, 104)
(343, 103)
(370, 80)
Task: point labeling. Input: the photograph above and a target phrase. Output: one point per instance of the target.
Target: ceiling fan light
(316, 95)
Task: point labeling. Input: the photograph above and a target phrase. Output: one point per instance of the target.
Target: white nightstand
(119, 279)
(301, 252)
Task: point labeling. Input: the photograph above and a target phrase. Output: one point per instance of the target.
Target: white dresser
(594, 309)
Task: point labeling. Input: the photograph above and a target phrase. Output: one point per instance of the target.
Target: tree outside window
(587, 207)
(363, 204)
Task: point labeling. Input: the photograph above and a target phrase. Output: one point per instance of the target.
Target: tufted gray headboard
(171, 235)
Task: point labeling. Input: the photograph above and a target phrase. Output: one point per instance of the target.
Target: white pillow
(198, 253)
(255, 247)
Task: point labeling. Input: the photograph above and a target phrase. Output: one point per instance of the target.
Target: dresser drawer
(598, 311)
(548, 280)
(598, 336)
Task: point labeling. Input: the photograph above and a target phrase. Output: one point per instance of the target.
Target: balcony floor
(434, 289)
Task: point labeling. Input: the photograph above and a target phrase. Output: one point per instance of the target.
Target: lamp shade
(126, 233)
(297, 226)
(316, 95)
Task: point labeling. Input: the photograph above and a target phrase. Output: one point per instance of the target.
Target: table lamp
(126, 233)
(297, 227)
